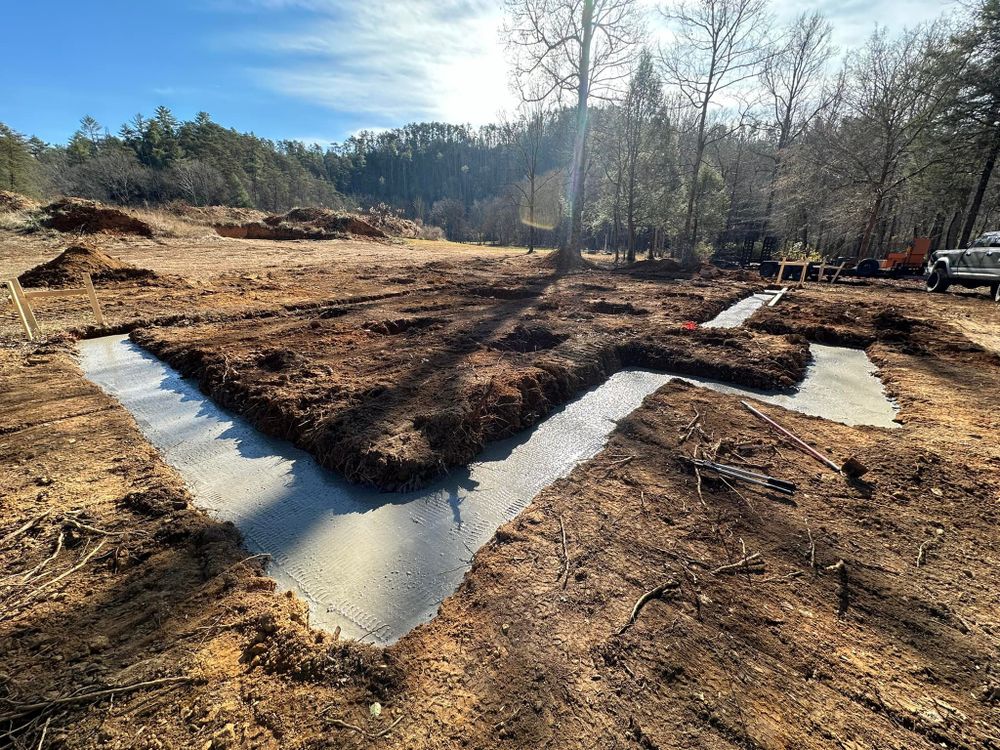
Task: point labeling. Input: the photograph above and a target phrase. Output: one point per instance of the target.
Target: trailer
(907, 262)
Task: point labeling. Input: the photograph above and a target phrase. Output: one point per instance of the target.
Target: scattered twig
(843, 596)
(86, 558)
(922, 551)
(341, 724)
(812, 548)
(619, 462)
(80, 525)
(372, 632)
(689, 428)
(45, 730)
(26, 709)
(565, 572)
(260, 556)
(786, 577)
(655, 593)
(743, 564)
(389, 728)
(41, 566)
(21, 529)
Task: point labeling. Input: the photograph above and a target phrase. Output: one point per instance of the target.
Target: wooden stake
(20, 310)
(778, 296)
(837, 274)
(89, 284)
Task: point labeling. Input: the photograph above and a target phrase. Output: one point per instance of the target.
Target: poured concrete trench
(377, 563)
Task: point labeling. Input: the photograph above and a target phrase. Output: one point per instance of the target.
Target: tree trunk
(984, 181)
(569, 255)
(866, 237)
(687, 239)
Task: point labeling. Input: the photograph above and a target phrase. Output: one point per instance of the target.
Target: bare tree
(526, 136)
(719, 45)
(794, 84)
(578, 46)
(893, 101)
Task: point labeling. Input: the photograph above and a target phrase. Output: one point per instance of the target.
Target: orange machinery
(911, 259)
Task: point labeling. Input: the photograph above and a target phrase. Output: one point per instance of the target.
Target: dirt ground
(128, 618)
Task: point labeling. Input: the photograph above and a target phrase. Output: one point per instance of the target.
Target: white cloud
(855, 20)
(389, 62)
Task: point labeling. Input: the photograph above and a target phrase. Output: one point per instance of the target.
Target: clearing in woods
(634, 603)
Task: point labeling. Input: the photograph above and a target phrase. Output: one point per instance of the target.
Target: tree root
(642, 601)
(749, 563)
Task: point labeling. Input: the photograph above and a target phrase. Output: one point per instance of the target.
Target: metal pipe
(796, 440)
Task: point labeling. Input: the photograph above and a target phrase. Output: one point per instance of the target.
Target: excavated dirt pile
(67, 269)
(395, 226)
(90, 217)
(670, 268)
(212, 215)
(302, 224)
(10, 202)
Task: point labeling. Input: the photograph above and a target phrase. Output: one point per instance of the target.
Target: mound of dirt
(669, 268)
(16, 202)
(67, 269)
(396, 326)
(326, 220)
(302, 224)
(211, 215)
(396, 226)
(606, 307)
(88, 217)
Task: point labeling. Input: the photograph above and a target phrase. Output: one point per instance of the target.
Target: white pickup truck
(976, 265)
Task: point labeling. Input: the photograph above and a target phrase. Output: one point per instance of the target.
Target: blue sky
(314, 70)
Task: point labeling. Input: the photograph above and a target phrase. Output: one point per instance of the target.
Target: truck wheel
(937, 281)
(769, 269)
(868, 268)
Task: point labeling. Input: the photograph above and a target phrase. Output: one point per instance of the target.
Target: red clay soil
(394, 394)
(869, 619)
(89, 217)
(67, 269)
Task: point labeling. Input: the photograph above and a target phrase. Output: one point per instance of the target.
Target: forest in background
(737, 134)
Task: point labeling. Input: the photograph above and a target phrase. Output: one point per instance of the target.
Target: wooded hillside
(769, 137)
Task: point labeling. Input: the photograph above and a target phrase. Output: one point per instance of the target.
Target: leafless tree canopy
(734, 135)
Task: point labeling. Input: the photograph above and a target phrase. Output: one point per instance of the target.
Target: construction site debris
(797, 441)
(750, 477)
